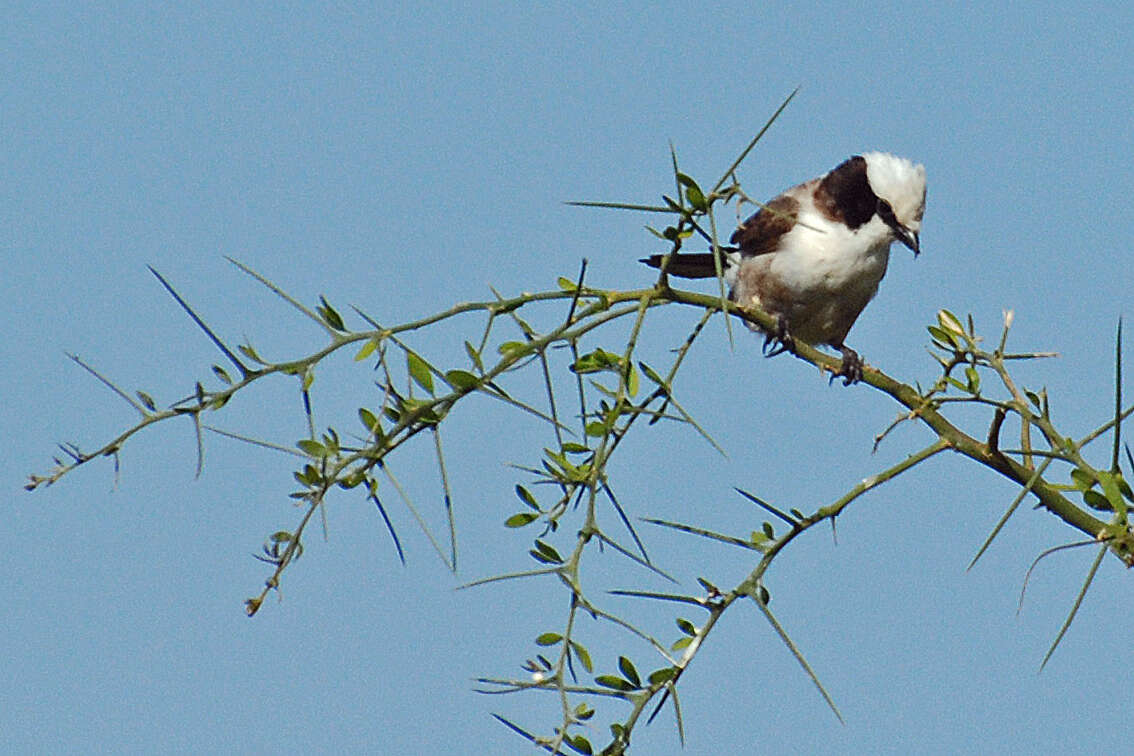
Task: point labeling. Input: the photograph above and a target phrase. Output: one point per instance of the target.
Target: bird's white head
(901, 183)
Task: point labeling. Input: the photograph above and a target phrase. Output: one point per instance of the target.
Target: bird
(813, 256)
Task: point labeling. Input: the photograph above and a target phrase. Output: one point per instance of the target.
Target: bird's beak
(909, 238)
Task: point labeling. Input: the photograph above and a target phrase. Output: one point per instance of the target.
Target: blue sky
(406, 158)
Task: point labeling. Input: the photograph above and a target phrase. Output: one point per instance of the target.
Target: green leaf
(579, 744)
(610, 681)
(661, 675)
(566, 284)
(632, 381)
(474, 355)
(584, 712)
(626, 667)
(596, 429)
(426, 413)
(696, 198)
(582, 655)
(768, 530)
(250, 353)
(1082, 479)
(220, 372)
(596, 361)
(333, 319)
(548, 552)
(1097, 501)
(570, 447)
(686, 627)
(367, 349)
(420, 371)
(950, 322)
(462, 380)
(681, 643)
(312, 448)
(651, 373)
(527, 497)
(946, 338)
(369, 421)
(973, 378)
(512, 348)
(520, 519)
(147, 400)
(548, 639)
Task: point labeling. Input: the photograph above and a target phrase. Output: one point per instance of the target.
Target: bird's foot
(851, 369)
(779, 340)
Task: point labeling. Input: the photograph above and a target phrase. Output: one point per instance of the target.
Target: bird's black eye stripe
(886, 212)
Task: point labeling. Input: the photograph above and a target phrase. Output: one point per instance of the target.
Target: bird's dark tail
(698, 265)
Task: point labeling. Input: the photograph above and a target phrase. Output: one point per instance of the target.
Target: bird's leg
(779, 340)
(851, 369)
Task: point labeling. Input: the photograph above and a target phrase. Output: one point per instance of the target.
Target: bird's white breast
(821, 277)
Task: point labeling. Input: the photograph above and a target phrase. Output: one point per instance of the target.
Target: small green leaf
(333, 319)
(651, 373)
(548, 639)
(369, 421)
(686, 627)
(147, 400)
(945, 338)
(1097, 501)
(584, 712)
(250, 353)
(462, 380)
(661, 675)
(570, 447)
(541, 558)
(696, 198)
(527, 497)
(950, 322)
(973, 378)
(425, 412)
(681, 643)
(626, 667)
(312, 448)
(610, 681)
(582, 655)
(220, 372)
(367, 349)
(632, 381)
(512, 348)
(596, 429)
(520, 519)
(566, 284)
(579, 744)
(1082, 479)
(547, 551)
(474, 355)
(420, 371)
(768, 530)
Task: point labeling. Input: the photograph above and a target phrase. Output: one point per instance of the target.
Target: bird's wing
(761, 233)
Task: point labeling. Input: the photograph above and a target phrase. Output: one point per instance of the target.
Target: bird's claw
(778, 341)
(851, 369)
